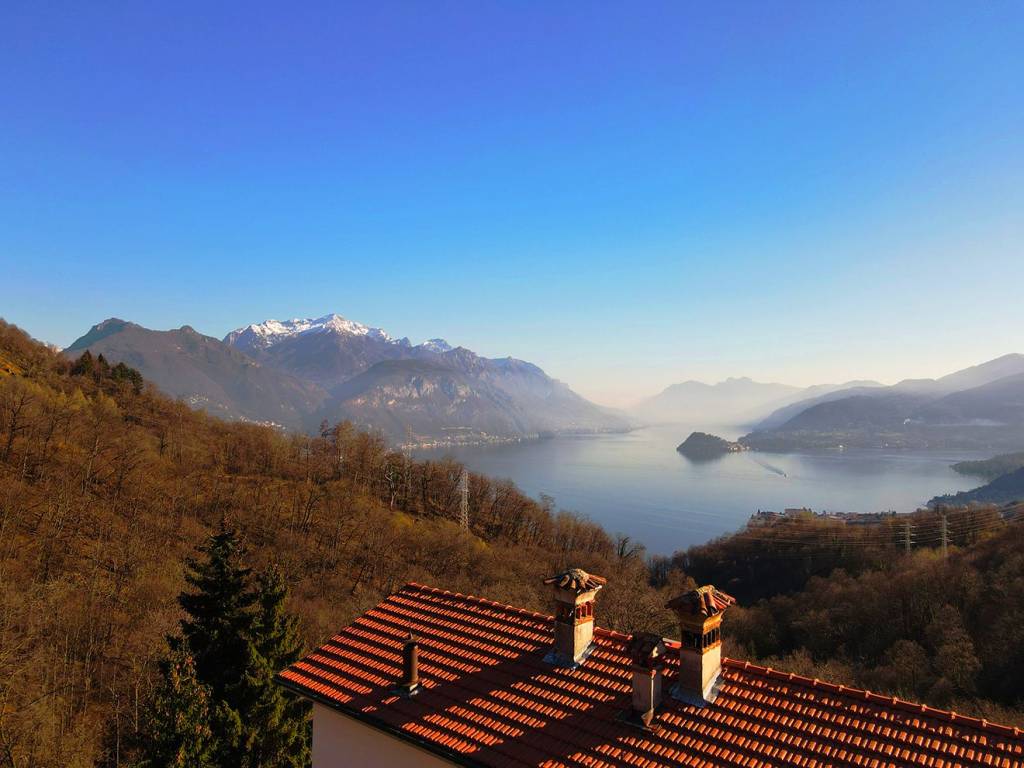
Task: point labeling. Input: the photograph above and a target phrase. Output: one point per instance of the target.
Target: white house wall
(340, 741)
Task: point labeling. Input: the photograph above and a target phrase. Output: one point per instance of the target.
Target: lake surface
(639, 485)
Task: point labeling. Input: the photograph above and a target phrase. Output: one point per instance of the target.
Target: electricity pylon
(464, 500)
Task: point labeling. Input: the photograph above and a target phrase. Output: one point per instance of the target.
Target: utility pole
(945, 535)
(464, 500)
(906, 537)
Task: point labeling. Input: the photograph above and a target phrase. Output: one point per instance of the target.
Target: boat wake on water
(769, 467)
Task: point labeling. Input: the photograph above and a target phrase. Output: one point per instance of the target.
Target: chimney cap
(576, 580)
(645, 649)
(703, 601)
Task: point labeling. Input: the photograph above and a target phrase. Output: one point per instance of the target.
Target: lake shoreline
(636, 483)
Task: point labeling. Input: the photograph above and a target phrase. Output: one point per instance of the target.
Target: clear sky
(628, 194)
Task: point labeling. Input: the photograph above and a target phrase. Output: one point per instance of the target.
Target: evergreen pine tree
(122, 372)
(218, 633)
(281, 738)
(275, 631)
(219, 622)
(240, 636)
(84, 365)
(179, 723)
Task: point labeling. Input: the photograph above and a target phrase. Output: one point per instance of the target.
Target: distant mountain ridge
(734, 401)
(981, 407)
(968, 378)
(694, 401)
(297, 373)
(204, 372)
(816, 395)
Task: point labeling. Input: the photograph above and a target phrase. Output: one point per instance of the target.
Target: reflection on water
(637, 484)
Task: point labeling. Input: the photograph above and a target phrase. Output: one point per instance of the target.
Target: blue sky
(627, 194)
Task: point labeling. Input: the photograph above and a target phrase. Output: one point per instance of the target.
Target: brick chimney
(647, 656)
(700, 654)
(574, 591)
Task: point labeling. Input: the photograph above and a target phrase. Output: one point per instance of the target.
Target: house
(432, 678)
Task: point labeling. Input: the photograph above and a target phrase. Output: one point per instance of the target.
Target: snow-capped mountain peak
(270, 332)
(301, 371)
(439, 346)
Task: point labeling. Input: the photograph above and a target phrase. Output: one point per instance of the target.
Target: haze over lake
(636, 483)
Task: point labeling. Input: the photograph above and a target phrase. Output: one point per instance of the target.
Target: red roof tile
(489, 699)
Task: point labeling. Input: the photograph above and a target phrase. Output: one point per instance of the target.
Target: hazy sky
(628, 194)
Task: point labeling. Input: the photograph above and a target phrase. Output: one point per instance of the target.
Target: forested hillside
(1004, 489)
(849, 603)
(992, 468)
(107, 488)
(946, 631)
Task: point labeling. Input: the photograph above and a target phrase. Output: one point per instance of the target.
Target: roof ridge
(475, 599)
(611, 634)
(862, 693)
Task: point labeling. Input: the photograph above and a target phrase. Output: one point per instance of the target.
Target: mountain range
(735, 401)
(300, 373)
(978, 408)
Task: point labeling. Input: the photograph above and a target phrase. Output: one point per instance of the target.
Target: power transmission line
(934, 533)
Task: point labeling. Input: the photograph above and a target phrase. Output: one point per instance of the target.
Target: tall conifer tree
(217, 631)
(179, 727)
(240, 635)
(282, 738)
(219, 616)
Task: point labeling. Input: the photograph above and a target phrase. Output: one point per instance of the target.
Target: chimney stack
(574, 591)
(647, 654)
(700, 653)
(410, 684)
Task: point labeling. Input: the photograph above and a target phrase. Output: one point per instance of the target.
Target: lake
(638, 484)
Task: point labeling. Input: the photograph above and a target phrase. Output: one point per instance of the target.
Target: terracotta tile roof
(489, 699)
